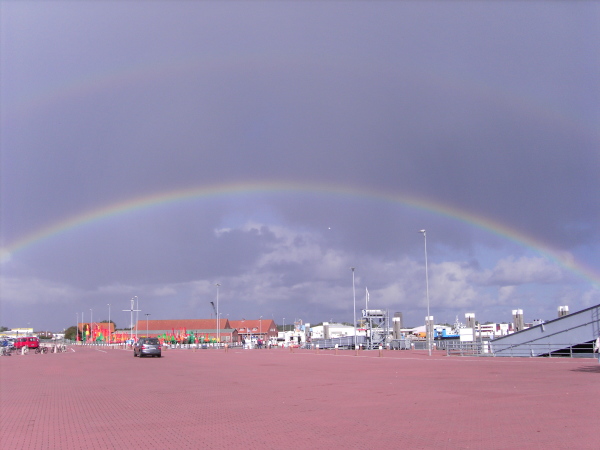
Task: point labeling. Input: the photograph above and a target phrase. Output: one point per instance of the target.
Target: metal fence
(341, 342)
(489, 348)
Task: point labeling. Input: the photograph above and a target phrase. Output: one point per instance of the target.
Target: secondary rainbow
(119, 77)
(221, 190)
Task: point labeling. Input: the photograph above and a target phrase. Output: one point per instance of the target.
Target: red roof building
(228, 330)
(208, 328)
(264, 329)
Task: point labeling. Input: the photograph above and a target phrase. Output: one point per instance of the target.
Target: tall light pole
(77, 326)
(131, 310)
(137, 317)
(427, 327)
(354, 308)
(147, 324)
(109, 324)
(218, 325)
(91, 325)
(260, 326)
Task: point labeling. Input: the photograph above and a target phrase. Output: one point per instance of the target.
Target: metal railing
(345, 342)
(550, 350)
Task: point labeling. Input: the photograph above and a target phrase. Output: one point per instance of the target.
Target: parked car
(33, 342)
(20, 343)
(147, 347)
(29, 342)
(8, 342)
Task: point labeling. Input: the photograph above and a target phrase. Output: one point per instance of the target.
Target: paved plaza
(101, 398)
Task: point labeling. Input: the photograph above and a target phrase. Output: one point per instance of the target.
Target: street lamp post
(131, 310)
(91, 325)
(147, 324)
(427, 327)
(77, 327)
(354, 308)
(137, 317)
(218, 324)
(108, 331)
(260, 327)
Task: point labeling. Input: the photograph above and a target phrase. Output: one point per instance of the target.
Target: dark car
(147, 347)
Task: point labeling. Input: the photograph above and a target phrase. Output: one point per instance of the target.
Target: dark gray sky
(344, 116)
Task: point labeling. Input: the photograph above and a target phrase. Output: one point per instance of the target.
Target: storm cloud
(364, 122)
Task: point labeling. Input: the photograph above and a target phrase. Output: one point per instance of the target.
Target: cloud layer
(488, 108)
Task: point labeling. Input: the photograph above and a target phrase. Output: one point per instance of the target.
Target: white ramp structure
(572, 334)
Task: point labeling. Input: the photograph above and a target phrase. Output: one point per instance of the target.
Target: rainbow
(222, 190)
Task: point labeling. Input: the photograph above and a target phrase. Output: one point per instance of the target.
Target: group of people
(259, 343)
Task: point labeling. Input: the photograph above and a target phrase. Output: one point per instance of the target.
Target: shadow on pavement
(588, 369)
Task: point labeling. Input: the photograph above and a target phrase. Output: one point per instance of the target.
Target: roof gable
(263, 325)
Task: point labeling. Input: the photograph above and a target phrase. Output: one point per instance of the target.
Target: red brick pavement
(273, 399)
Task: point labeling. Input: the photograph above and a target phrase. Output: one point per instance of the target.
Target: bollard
(336, 348)
(317, 347)
(380, 350)
(356, 349)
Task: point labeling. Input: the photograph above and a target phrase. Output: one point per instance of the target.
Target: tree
(3, 329)
(71, 333)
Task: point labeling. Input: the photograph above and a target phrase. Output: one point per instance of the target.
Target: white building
(336, 330)
(18, 332)
(495, 330)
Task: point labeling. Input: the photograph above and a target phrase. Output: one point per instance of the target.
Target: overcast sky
(311, 137)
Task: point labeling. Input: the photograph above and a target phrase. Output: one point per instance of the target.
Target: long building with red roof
(178, 328)
(228, 330)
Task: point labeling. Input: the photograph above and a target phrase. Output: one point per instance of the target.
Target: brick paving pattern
(99, 398)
